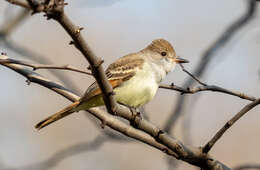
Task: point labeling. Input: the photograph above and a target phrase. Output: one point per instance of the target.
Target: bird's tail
(65, 112)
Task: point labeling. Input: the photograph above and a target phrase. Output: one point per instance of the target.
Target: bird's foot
(136, 117)
(157, 137)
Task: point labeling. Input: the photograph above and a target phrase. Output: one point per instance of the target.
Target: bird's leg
(136, 117)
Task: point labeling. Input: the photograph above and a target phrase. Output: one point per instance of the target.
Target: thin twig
(29, 54)
(172, 87)
(213, 88)
(218, 135)
(7, 28)
(205, 87)
(192, 76)
(43, 66)
(65, 67)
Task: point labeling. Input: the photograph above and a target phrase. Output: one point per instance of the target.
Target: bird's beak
(180, 60)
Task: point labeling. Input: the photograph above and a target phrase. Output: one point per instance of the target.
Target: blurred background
(114, 28)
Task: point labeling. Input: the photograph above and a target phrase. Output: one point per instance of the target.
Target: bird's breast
(159, 72)
(138, 90)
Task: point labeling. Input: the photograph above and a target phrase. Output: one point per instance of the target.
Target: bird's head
(163, 53)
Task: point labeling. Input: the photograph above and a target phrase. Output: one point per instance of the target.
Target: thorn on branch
(73, 43)
(99, 62)
(228, 124)
(89, 67)
(36, 6)
(33, 12)
(78, 30)
(28, 82)
(48, 17)
(52, 8)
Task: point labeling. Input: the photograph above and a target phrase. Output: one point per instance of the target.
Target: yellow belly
(137, 91)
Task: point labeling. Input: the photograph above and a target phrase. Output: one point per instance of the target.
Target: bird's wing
(118, 72)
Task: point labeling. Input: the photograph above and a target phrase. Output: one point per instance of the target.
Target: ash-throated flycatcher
(135, 79)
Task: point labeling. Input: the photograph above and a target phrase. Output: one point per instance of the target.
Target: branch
(41, 59)
(148, 133)
(213, 88)
(43, 66)
(218, 135)
(205, 87)
(191, 75)
(12, 24)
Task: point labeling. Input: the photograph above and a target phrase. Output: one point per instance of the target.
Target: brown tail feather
(65, 112)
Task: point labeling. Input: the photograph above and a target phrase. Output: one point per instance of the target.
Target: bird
(135, 79)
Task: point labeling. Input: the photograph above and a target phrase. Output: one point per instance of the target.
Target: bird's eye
(163, 53)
